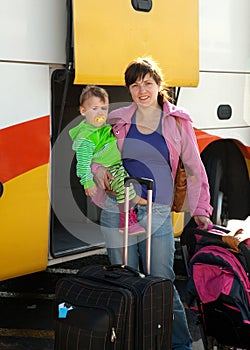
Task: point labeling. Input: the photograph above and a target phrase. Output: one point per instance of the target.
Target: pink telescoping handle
(150, 184)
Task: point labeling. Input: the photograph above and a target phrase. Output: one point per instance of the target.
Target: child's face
(95, 111)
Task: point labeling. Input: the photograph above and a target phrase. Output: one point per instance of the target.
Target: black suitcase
(115, 307)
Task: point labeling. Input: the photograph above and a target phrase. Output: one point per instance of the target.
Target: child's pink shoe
(133, 227)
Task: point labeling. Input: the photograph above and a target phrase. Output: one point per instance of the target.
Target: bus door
(110, 34)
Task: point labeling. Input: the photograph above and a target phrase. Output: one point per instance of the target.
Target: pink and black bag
(218, 284)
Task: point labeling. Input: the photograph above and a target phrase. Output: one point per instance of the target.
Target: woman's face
(145, 91)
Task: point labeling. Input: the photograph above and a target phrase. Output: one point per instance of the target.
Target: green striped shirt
(93, 144)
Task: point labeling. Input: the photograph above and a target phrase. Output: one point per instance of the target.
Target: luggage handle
(124, 267)
(212, 227)
(141, 180)
(150, 184)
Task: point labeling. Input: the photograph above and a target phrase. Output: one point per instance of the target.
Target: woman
(151, 142)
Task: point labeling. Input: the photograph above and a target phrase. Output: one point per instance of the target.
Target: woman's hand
(202, 221)
(91, 191)
(102, 177)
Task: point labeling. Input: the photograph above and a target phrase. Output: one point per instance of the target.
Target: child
(94, 141)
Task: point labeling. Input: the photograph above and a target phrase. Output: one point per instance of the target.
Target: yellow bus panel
(24, 208)
(109, 34)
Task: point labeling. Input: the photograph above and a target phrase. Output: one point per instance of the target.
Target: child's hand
(91, 191)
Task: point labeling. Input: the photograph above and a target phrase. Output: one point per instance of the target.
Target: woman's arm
(197, 182)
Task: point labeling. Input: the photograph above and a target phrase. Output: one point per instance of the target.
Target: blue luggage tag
(63, 310)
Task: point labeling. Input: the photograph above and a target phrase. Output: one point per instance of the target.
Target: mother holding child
(150, 142)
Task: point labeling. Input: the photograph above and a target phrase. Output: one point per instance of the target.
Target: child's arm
(84, 154)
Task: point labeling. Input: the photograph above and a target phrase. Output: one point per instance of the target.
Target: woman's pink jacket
(180, 143)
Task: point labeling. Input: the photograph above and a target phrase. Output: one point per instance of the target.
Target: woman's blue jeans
(162, 255)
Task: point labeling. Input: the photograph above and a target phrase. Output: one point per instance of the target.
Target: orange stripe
(23, 147)
(204, 139)
(245, 150)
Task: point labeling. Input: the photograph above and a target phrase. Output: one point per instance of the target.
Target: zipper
(113, 335)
